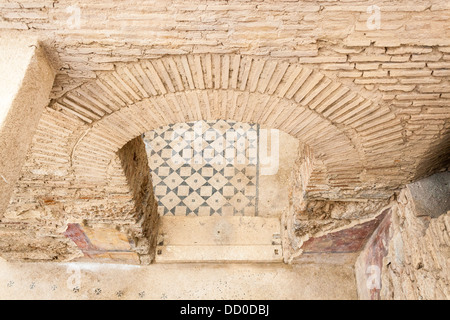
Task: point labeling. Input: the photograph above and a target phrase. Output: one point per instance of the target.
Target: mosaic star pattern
(205, 168)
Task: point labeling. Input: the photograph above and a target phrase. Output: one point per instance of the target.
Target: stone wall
(417, 265)
(144, 231)
(116, 222)
(308, 222)
(23, 63)
(122, 217)
(408, 256)
(370, 101)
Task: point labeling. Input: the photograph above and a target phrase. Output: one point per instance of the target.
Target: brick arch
(327, 116)
(91, 155)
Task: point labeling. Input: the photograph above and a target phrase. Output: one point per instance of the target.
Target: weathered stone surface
(369, 264)
(175, 281)
(347, 240)
(371, 105)
(23, 63)
(416, 266)
(324, 227)
(102, 244)
(408, 256)
(431, 196)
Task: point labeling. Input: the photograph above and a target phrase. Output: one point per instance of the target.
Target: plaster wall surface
(25, 84)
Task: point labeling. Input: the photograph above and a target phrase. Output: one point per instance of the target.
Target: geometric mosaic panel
(205, 168)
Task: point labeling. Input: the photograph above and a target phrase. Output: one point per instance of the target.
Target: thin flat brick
(364, 58)
(426, 57)
(397, 88)
(406, 49)
(375, 74)
(438, 65)
(350, 74)
(417, 96)
(434, 88)
(406, 65)
(367, 66)
(326, 59)
(441, 73)
(410, 73)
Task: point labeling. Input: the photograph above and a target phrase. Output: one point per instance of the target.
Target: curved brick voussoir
(136, 97)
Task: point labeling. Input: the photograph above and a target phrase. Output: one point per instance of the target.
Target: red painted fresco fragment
(77, 235)
(376, 250)
(345, 241)
(80, 237)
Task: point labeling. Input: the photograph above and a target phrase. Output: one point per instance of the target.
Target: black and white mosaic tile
(205, 168)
